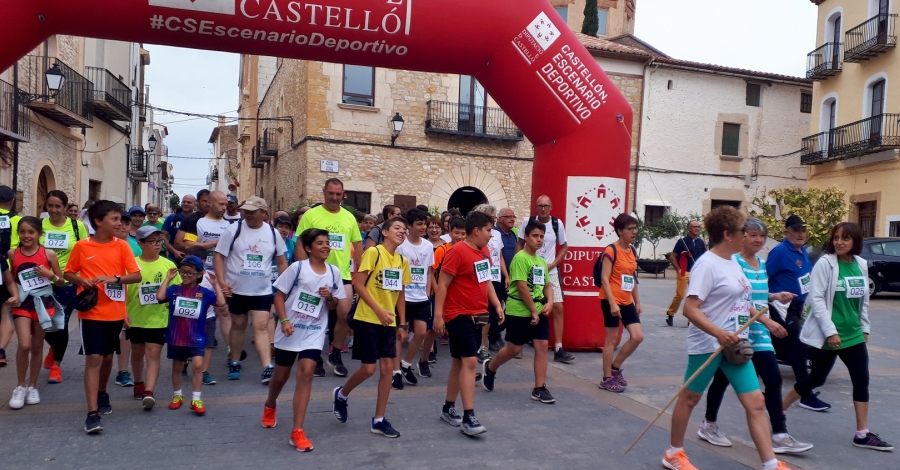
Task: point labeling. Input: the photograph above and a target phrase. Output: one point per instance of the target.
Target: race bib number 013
(308, 304)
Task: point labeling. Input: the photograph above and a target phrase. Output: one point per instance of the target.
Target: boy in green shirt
(530, 301)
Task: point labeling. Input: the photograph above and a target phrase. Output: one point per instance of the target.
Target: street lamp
(55, 79)
(152, 142)
(397, 127)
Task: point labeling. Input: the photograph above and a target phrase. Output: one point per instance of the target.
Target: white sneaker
(709, 432)
(789, 445)
(18, 398)
(32, 397)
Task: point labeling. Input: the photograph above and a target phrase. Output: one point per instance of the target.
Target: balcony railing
(824, 61)
(71, 106)
(468, 120)
(261, 155)
(269, 143)
(137, 164)
(254, 158)
(111, 97)
(875, 134)
(871, 38)
(15, 125)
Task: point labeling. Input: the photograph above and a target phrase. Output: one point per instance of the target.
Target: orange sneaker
(677, 461)
(299, 440)
(55, 376)
(269, 419)
(197, 406)
(782, 466)
(176, 402)
(48, 361)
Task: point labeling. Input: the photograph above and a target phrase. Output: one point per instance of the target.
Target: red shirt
(465, 295)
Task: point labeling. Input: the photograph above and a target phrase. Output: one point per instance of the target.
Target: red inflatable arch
(520, 50)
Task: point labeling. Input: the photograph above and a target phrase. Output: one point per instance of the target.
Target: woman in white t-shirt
(304, 293)
(718, 301)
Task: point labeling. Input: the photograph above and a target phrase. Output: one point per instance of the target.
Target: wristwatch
(118, 279)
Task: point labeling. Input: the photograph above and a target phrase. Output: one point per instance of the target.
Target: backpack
(6, 234)
(237, 233)
(598, 265)
(377, 237)
(300, 268)
(366, 284)
(553, 220)
(74, 228)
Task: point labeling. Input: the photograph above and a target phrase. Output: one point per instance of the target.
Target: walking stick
(691, 379)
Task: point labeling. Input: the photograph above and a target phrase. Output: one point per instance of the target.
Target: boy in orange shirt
(105, 263)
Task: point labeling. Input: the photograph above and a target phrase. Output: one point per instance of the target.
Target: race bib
(308, 303)
(4, 222)
(495, 274)
(537, 274)
(115, 292)
(209, 258)
(742, 319)
(627, 283)
(855, 287)
(336, 240)
(418, 276)
(804, 284)
(483, 271)
(187, 308)
(30, 279)
(148, 294)
(254, 263)
(56, 240)
(390, 279)
(274, 272)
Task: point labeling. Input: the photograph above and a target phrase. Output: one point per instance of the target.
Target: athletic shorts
(285, 358)
(139, 335)
(419, 311)
(244, 304)
(183, 353)
(372, 342)
(100, 337)
(211, 342)
(742, 377)
(628, 314)
(465, 337)
(557, 287)
(348, 282)
(519, 330)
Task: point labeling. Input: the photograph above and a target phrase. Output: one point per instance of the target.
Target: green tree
(821, 209)
(591, 22)
(174, 202)
(670, 225)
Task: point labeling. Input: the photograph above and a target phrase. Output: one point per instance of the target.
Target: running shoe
(176, 402)
(384, 428)
(451, 416)
(334, 361)
(487, 380)
(408, 376)
(234, 371)
(432, 357)
(197, 407)
(48, 361)
(299, 440)
(123, 378)
(497, 345)
(267, 374)
(709, 432)
(483, 354)
(2, 357)
(782, 466)
(670, 320)
(349, 343)
(55, 376)
(618, 377)
(103, 405)
(611, 385)
(92, 424)
(542, 395)
(478, 376)
(812, 402)
(872, 441)
(563, 356)
(789, 445)
(677, 461)
(397, 381)
(269, 418)
(138, 391)
(320, 369)
(208, 379)
(471, 427)
(32, 397)
(18, 398)
(424, 369)
(340, 406)
(344, 349)
(148, 401)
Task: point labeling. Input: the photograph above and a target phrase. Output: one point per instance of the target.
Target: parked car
(883, 257)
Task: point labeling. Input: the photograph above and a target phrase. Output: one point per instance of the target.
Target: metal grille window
(731, 139)
(652, 214)
(362, 201)
(359, 85)
(806, 102)
(753, 93)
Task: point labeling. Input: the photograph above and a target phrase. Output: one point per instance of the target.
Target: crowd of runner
(328, 280)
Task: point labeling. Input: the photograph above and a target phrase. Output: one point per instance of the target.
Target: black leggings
(790, 348)
(856, 358)
(767, 369)
(59, 340)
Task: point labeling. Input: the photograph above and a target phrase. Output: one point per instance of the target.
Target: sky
(763, 35)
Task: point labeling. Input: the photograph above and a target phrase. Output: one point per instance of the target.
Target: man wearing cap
(243, 264)
(9, 238)
(189, 225)
(789, 268)
(231, 209)
(173, 223)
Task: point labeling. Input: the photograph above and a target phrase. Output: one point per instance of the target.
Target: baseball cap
(282, 220)
(254, 204)
(136, 209)
(794, 221)
(232, 198)
(146, 231)
(193, 262)
(6, 193)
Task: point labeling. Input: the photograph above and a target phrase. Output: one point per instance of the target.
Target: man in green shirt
(529, 302)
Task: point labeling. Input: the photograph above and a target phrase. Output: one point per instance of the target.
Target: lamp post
(397, 127)
(54, 80)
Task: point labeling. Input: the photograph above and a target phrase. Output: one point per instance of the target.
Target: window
(753, 92)
(894, 230)
(563, 13)
(731, 139)
(723, 202)
(891, 248)
(360, 200)
(94, 192)
(405, 203)
(876, 248)
(671, 85)
(602, 15)
(359, 85)
(806, 103)
(877, 91)
(472, 103)
(652, 214)
(867, 212)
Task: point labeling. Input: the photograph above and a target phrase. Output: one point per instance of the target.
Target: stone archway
(464, 176)
(46, 182)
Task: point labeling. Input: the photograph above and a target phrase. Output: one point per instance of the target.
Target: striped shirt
(759, 297)
(185, 331)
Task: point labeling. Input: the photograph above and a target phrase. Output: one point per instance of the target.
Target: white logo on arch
(225, 7)
(544, 31)
(592, 203)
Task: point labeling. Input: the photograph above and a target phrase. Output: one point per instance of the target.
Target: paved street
(586, 428)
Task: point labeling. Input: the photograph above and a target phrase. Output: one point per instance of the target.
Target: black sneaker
(670, 320)
(340, 406)
(872, 441)
(334, 360)
(384, 428)
(267, 374)
(424, 369)
(812, 402)
(471, 427)
(478, 376)
(103, 406)
(497, 345)
(487, 380)
(320, 369)
(408, 376)
(397, 381)
(451, 417)
(432, 357)
(483, 354)
(93, 424)
(542, 395)
(563, 356)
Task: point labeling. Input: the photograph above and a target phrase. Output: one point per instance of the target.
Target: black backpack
(553, 220)
(598, 265)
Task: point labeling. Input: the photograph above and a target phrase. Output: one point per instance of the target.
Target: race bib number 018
(115, 292)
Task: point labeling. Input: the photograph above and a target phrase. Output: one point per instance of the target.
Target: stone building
(223, 162)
